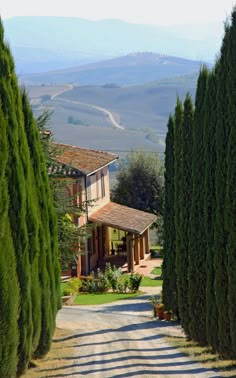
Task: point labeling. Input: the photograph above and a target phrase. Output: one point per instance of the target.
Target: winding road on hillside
(107, 112)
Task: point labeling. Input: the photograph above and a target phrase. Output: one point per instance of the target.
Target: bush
(134, 282)
(91, 284)
(114, 276)
(102, 282)
(67, 291)
(72, 286)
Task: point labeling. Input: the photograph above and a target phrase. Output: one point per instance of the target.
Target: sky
(155, 12)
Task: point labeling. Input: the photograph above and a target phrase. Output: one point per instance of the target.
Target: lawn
(148, 281)
(101, 298)
(157, 271)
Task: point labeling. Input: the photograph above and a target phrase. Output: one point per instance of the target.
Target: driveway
(121, 339)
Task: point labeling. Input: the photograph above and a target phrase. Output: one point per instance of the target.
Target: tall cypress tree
(197, 255)
(48, 263)
(220, 234)
(168, 267)
(9, 291)
(32, 221)
(185, 183)
(178, 151)
(210, 207)
(16, 165)
(230, 203)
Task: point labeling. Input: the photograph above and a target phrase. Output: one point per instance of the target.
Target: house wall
(98, 190)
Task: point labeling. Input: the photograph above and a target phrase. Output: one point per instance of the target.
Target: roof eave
(98, 169)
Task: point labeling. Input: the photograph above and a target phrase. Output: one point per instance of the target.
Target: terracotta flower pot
(160, 314)
(159, 309)
(167, 316)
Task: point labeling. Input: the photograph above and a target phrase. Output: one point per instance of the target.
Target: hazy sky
(159, 12)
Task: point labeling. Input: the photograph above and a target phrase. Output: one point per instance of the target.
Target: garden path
(117, 340)
(122, 339)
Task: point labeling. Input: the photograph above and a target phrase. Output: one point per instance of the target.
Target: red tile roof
(123, 217)
(82, 159)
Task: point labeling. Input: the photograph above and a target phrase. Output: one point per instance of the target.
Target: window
(89, 191)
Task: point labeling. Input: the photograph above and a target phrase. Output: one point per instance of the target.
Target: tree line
(199, 266)
(29, 267)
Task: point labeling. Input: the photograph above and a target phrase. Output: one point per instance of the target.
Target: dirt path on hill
(107, 112)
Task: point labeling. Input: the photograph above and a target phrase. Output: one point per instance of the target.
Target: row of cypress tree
(29, 268)
(199, 265)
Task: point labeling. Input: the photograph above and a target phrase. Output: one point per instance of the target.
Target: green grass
(95, 299)
(148, 281)
(204, 355)
(155, 247)
(157, 271)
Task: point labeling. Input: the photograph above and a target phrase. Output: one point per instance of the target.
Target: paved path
(122, 339)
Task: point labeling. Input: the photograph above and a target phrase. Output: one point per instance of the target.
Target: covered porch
(122, 234)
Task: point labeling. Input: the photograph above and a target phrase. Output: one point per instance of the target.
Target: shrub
(113, 276)
(102, 282)
(74, 284)
(68, 291)
(134, 282)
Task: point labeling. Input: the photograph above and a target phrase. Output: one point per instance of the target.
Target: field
(142, 111)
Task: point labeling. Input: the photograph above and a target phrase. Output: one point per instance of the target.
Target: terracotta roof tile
(123, 217)
(84, 160)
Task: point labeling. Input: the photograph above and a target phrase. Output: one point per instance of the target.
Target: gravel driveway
(121, 339)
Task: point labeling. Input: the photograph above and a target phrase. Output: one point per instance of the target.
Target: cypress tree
(16, 166)
(197, 244)
(230, 203)
(178, 151)
(185, 184)
(209, 208)
(168, 267)
(9, 291)
(220, 234)
(32, 221)
(49, 272)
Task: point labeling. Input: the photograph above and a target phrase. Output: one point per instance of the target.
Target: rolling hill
(142, 112)
(132, 69)
(40, 44)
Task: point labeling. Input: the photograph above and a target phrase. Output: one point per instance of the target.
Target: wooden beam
(142, 247)
(137, 251)
(147, 241)
(130, 251)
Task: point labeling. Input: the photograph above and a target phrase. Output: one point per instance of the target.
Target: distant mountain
(41, 44)
(132, 69)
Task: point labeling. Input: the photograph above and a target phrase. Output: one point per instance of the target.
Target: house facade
(117, 230)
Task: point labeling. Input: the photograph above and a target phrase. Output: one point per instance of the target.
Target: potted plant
(167, 315)
(159, 307)
(154, 300)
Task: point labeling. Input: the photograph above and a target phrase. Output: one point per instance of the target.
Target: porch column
(107, 240)
(147, 241)
(142, 247)
(137, 251)
(100, 243)
(130, 252)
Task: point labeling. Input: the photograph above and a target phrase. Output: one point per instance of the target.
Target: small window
(89, 189)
